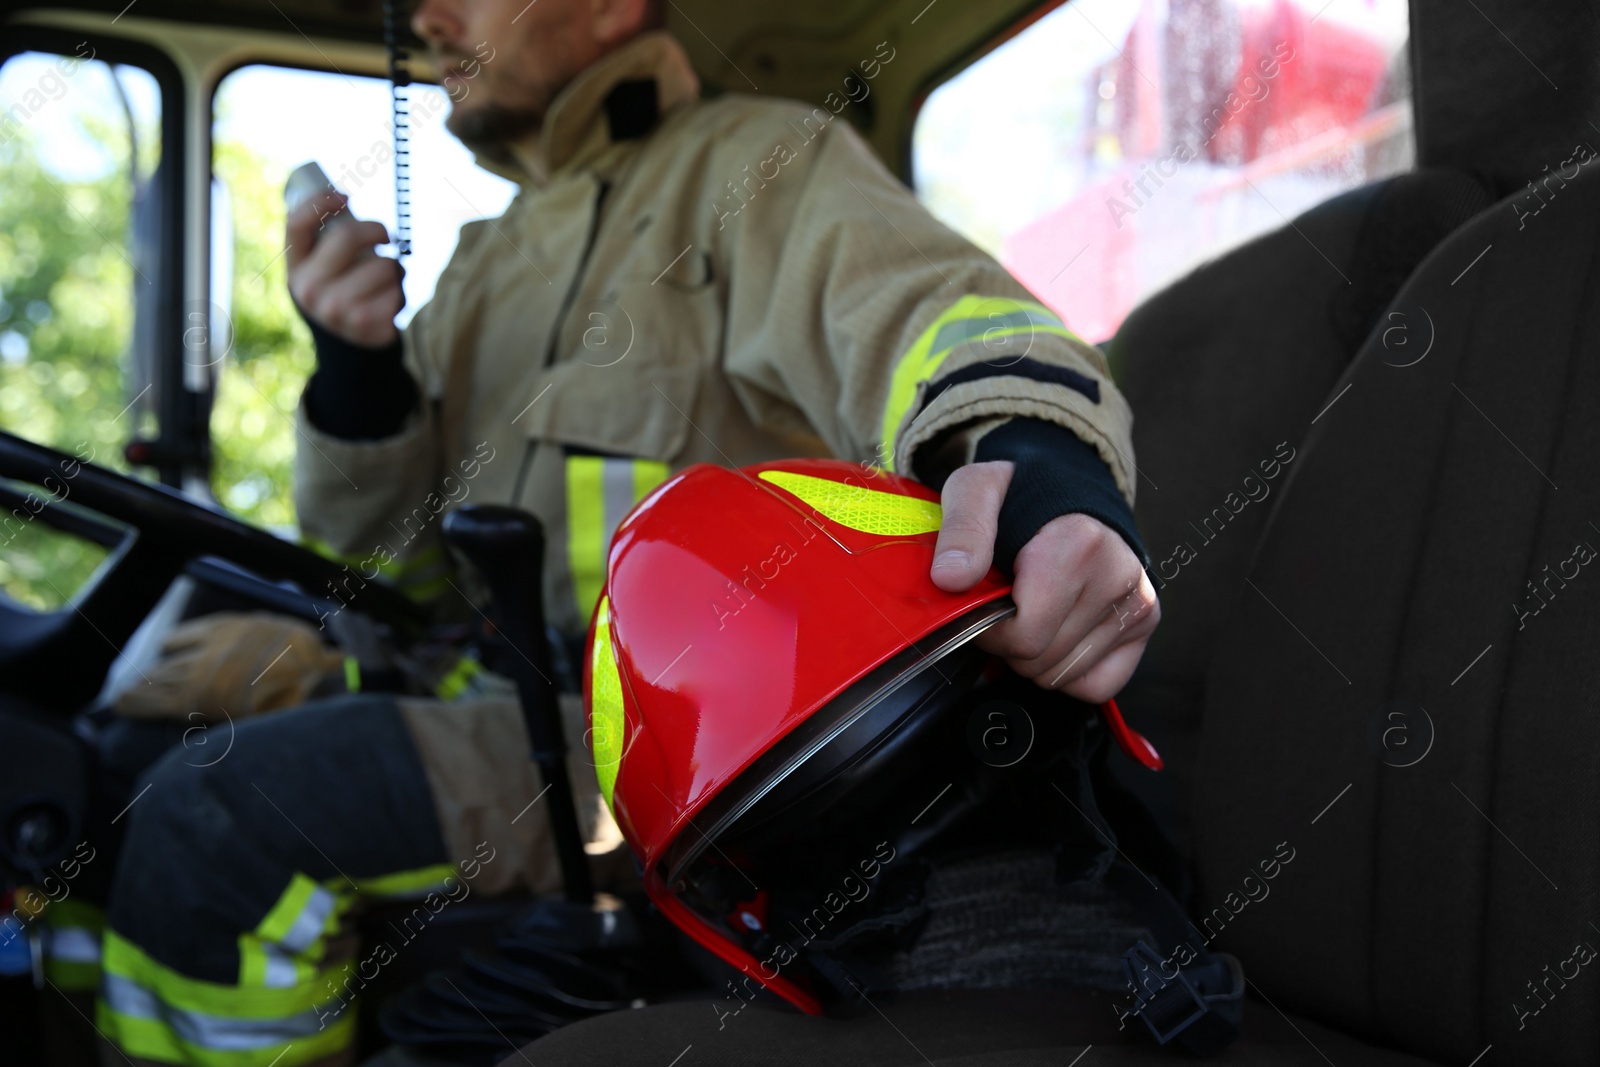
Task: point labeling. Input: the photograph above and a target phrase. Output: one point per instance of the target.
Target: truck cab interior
(1341, 256)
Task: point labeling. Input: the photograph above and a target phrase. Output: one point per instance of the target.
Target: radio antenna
(399, 81)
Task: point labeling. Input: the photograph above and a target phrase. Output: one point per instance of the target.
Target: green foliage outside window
(67, 289)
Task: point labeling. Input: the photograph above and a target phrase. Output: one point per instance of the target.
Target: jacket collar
(599, 108)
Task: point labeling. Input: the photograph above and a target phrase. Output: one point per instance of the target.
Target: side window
(1112, 145)
(79, 143)
(268, 121)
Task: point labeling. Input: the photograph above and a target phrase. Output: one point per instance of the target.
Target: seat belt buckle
(1201, 1007)
(1173, 1005)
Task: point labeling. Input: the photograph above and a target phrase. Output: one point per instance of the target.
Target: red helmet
(761, 633)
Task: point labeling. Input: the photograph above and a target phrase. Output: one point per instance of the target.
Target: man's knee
(332, 789)
(176, 811)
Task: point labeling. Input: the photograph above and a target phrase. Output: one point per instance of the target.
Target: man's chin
(487, 128)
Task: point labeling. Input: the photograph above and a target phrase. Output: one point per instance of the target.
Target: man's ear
(616, 21)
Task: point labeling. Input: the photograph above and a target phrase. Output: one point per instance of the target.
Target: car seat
(1225, 370)
(1402, 691)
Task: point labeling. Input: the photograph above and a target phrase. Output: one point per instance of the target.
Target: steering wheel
(59, 659)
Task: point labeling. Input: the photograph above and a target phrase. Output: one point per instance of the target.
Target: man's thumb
(971, 501)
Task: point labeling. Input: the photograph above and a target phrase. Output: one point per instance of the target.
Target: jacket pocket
(629, 366)
(616, 410)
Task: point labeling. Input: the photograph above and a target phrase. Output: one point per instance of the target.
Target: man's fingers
(304, 222)
(1082, 600)
(1063, 583)
(1042, 631)
(360, 305)
(1090, 667)
(338, 249)
(971, 500)
(1107, 677)
(362, 281)
(349, 242)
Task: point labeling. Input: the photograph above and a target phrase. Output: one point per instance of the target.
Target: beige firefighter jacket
(745, 282)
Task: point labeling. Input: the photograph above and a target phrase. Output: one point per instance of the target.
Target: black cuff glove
(358, 393)
(1056, 473)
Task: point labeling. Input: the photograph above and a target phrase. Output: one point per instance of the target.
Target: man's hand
(1085, 607)
(337, 278)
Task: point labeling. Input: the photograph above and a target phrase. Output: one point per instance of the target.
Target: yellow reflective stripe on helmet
(352, 674)
(409, 885)
(972, 318)
(606, 722)
(601, 490)
(868, 510)
(140, 1027)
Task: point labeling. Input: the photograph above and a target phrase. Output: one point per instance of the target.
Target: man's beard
(487, 128)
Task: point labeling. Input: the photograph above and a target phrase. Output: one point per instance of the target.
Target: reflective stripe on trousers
(287, 945)
(206, 1034)
(72, 932)
(287, 1008)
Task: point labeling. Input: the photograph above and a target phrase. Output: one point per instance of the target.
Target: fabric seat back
(1225, 369)
(1404, 696)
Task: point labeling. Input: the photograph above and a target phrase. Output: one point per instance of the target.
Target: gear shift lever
(506, 545)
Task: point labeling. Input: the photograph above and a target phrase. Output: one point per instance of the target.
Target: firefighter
(678, 281)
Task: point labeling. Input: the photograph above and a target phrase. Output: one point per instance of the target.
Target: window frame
(182, 439)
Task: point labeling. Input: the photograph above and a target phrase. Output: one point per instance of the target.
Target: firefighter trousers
(229, 937)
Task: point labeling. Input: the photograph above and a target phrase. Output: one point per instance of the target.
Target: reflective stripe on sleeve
(422, 577)
(410, 885)
(456, 680)
(972, 318)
